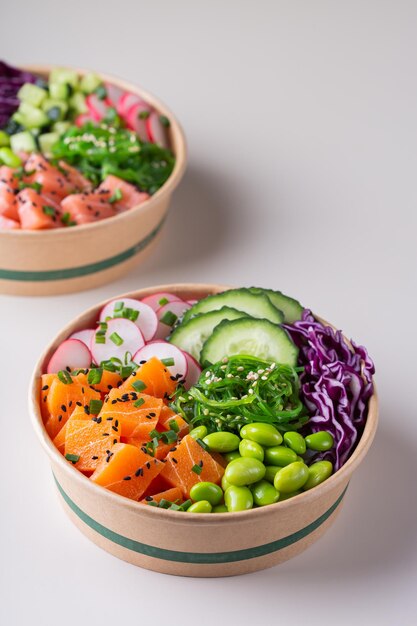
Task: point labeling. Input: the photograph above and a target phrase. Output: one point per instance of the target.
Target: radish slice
(193, 371)
(172, 310)
(164, 350)
(126, 101)
(147, 321)
(113, 95)
(72, 354)
(83, 118)
(135, 122)
(159, 299)
(156, 131)
(192, 302)
(128, 332)
(86, 336)
(96, 107)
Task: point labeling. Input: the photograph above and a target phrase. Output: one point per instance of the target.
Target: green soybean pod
(280, 455)
(231, 456)
(203, 506)
(321, 441)
(225, 483)
(264, 493)
(270, 472)
(220, 508)
(205, 490)
(9, 158)
(318, 473)
(238, 499)
(287, 496)
(222, 442)
(295, 441)
(244, 471)
(264, 434)
(291, 477)
(199, 432)
(251, 449)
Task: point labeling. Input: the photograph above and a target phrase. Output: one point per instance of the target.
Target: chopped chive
(139, 403)
(103, 325)
(164, 121)
(139, 385)
(173, 425)
(164, 504)
(169, 318)
(48, 210)
(116, 361)
(186, 505)
(175, 507)
(150, 448)
(72, 457)
(169, 436)
(101, 92)
(202, 444)
(125, 371)
(133, 315)
(168, 362)
(65, 377)
(94, 376)
(163, 301)
(95, 406)
(100, 338)
(117, 195)
(108, 366)
(66, 218)
(143, 115)
(116, 339)
(154, 434)
(196, 469)
(118, 306)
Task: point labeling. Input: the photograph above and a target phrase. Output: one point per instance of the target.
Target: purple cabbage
(11, 79)
(335, 386)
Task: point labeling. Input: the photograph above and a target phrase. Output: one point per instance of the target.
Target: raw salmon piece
(75, 178)
(7, 224)
(8, 203)
(135, 421)
(172, 495)
(79, 413)
(167, 416)
(109, 380)
(53, 183)
(88, 207)
(91, 440)
(130, 195)
(178, 469)
(156, 378)
(62, 400)
(32, 212)
(128, 472)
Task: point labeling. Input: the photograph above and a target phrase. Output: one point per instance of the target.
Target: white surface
(301, 122)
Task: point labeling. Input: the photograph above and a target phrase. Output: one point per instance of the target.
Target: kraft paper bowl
(180, 543)
(65, 260)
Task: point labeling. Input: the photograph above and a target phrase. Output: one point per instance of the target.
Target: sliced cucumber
(256, 305)
(31, 117)
(191, 335)
(65, 76)
(291, 308)
(46, 141)
(59, 91)
(78, 103)
(32, 94)
(90, 82)
(254, 337)
(23, 142)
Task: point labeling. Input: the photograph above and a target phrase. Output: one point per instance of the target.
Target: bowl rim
(166, 189)
(338, 478)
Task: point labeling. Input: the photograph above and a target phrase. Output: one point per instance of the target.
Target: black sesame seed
(175, 460)
(127, 478)
(45, 387)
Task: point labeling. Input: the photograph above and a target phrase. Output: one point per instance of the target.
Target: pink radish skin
(126, 101)
(193, 371)
(86, 336)
(154, 301)
(132, 341)
(147, 321)
(113, 95)
(72, 353)
(156, 131)
(96, 107)
(164, 350)
(135, 123)
(178, 308)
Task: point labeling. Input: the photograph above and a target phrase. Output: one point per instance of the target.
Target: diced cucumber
(9, 158)
(64, 76)
(90, 82)
(257, 305)
(248, 336)
(55, 109)
(191, 335)
(59, 91)
(4, 138)
(291, 308)
(61, 127)
(31, 117)
(46, 141)
(77, 102)
(32, 94)
(23, 142)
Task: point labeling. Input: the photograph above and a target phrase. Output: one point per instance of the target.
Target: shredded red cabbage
(11, 79)
(335, 386)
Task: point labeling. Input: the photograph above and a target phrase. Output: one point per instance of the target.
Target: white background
(301, 123)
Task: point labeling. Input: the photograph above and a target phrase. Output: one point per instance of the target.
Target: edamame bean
(222, 442)
(199, 432)
(231, 456)
(286, 496)
(320, 441)
(318, 473)
(238, 499)
(205, 490)
(220, 508)
(203, 506)
(295, 441)
(9, 158)
(225, 483)
(264, 493)
(244, 471)
(280, 455)
(291, 477)
(264, 434)
(4, 138)
(270, 472)
(251, 449)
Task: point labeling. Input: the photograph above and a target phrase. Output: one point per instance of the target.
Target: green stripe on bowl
(199, 557)
(83, 270)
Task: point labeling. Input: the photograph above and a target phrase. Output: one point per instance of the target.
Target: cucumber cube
(9, 158)
(61, 127)
(59, 91)
(46, 141)
(23, 142)
(55, 109)
(90, 82)
(64, 76)
(4, 138)
(32, 94)
(77, 102)
(31, 117)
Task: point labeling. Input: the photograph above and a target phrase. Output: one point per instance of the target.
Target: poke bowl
(197, 442)
(88, 164)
